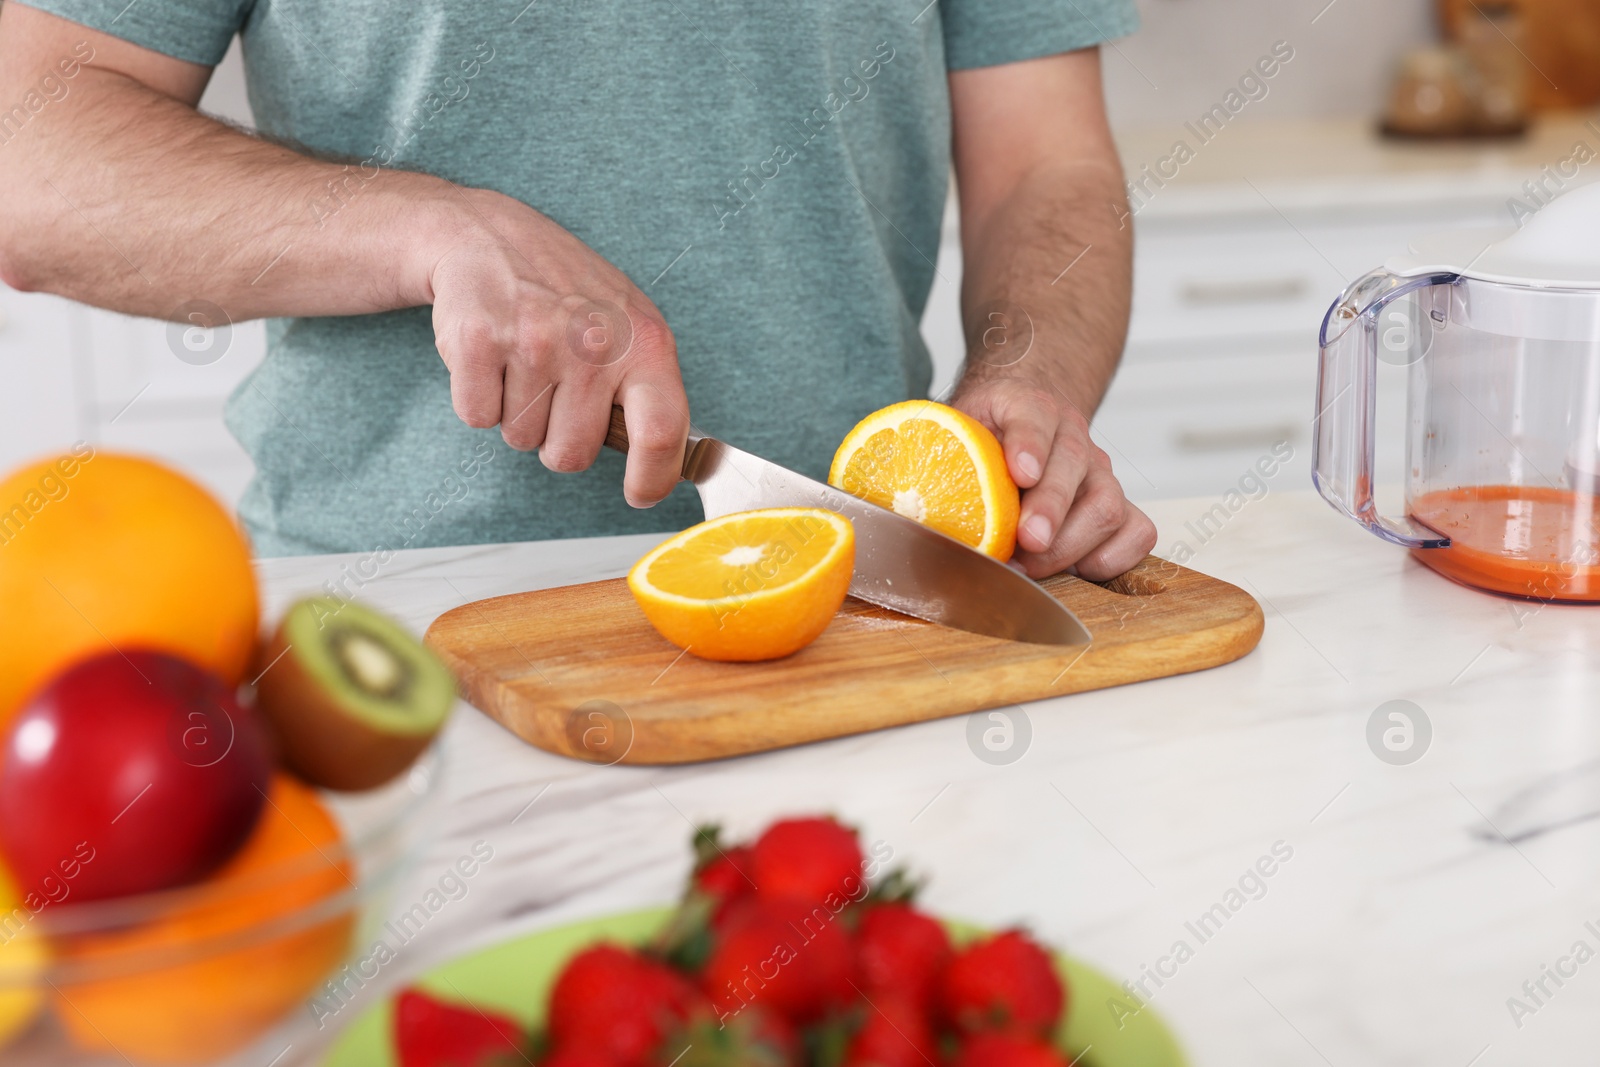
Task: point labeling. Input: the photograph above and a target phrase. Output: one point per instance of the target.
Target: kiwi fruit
(351, 696)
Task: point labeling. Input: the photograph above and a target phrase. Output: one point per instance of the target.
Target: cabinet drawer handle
(1245, 291)
(1236, 438)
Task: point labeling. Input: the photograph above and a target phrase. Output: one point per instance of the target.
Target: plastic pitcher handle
(1343, 438)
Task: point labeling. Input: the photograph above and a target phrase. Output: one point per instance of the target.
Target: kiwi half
(352, 697)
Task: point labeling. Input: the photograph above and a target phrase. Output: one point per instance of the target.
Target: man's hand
(542, 336)
(1074, 516)
(1043, 214)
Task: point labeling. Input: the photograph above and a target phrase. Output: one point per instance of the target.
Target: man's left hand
(1074, 515)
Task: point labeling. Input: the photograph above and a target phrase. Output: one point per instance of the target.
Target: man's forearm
(120, 196)
(1048, 270)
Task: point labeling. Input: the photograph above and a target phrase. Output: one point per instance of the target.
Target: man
(517, 214)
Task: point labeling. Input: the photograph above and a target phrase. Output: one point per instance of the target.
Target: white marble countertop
(1309, 164)
(1418, 898)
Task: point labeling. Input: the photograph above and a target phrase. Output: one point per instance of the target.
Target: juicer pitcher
(1500, 333)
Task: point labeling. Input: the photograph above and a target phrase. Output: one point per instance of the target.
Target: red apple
(131, 772)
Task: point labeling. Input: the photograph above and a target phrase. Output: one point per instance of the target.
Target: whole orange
(215, 973)
(102, 551)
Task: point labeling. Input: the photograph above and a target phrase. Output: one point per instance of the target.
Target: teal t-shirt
(771, 175)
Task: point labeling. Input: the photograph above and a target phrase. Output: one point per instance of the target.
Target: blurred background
(1276, 150)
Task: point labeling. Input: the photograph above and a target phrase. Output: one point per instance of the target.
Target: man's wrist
(1048, 379)
(425, 218)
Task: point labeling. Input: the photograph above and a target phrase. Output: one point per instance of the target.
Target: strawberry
(619, 1003)
(1006, 1050)
(901, 950)
(894, 1033)
(430, 1033)
(720, 880)
(755, 1037)
(784, 954)
(724, 879)
(1006, 982)
(811, 859)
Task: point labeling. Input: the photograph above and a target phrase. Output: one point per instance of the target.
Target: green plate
(515, 978)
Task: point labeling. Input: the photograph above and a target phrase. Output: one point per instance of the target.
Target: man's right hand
(542, 336)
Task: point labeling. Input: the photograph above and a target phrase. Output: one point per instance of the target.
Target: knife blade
(900, 563)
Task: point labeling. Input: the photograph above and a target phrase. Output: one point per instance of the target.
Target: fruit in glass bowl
(218, 973)
(213, 998)
(135, 772)
(103, 550)
(177, 897)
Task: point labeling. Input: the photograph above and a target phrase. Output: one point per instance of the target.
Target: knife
(900, 564)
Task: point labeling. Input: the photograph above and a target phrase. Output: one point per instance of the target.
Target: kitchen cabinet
(41, 363)
(1220, 367)
(74, 373)
(148, 398)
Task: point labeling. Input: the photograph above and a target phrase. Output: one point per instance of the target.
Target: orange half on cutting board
(754, 585)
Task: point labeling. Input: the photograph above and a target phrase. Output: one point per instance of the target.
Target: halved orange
(749, 586)
(937, 465)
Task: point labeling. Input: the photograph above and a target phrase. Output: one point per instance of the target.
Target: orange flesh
(1530, 541)
(752, 586)
(921, 465)
(756, 552)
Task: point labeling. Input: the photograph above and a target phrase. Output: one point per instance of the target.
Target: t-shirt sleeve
(987, 33)
(197, 31)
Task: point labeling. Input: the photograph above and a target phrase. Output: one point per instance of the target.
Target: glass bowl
(232, 971)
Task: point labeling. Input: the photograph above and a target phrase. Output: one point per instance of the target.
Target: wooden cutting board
(578, 671)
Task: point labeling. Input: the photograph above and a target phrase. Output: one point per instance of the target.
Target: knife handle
(617, 435)
(617, 438)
